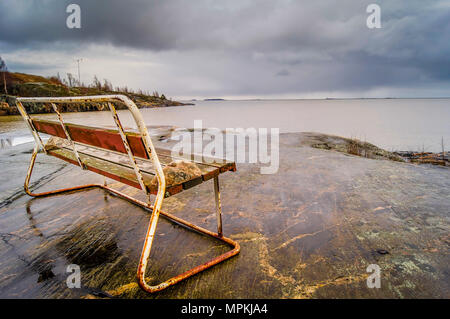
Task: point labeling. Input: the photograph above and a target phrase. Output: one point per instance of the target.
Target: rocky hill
(26, 85)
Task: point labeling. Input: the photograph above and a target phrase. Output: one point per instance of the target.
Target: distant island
(214, 99)
(29, 85)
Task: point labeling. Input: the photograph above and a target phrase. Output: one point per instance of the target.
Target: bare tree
(71, 79)
(96, 83)
(3, 70)
(107, 85)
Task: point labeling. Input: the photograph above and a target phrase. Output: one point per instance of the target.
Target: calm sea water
(393, 124)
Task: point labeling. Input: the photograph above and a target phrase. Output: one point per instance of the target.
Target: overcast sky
(237, 48)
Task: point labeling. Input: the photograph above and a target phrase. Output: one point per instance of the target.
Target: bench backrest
(99, 137)
(140, 144)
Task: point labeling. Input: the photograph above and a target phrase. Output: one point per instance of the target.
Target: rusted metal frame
(30, 171)
(34, 132)
(151, 152)
(218, 206)
(75, 152)
(133, 162)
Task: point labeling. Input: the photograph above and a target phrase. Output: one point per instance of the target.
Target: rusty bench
(132, 159)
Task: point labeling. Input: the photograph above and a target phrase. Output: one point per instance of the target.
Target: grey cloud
(323, 45)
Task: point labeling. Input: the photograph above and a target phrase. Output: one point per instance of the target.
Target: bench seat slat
(106, 168)
(116, 165)
(116, 172)
(221, 164)
(208, 172)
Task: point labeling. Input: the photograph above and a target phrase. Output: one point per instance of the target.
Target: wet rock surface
(308, 231)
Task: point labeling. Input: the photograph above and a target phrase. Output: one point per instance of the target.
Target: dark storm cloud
(321, 45)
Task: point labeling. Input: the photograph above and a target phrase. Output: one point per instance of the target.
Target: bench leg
(218, 205)
(141, 269)
(30, 171)
(151, 234)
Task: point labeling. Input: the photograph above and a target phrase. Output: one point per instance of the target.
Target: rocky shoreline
(364, 149)
(29, 85)
(442, 158)
(350, 146)
(8, 105)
